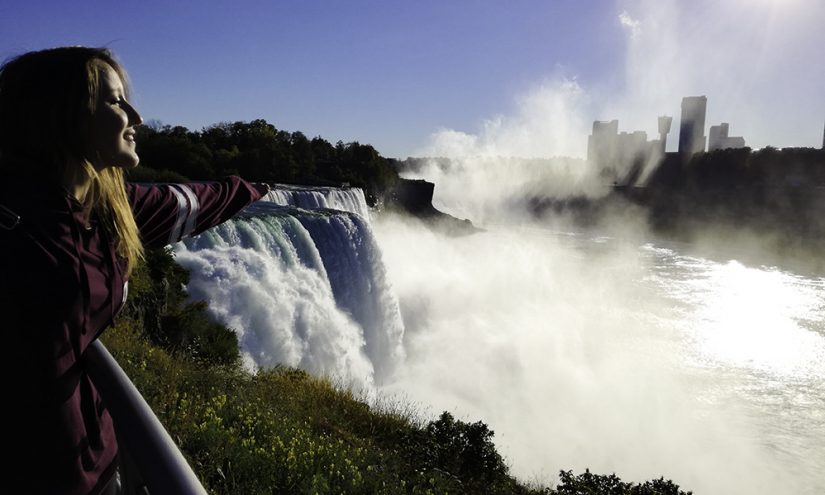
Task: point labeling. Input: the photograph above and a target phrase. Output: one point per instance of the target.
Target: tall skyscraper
(601, 144)
(664, 130)
(718, 138)
(692, 128)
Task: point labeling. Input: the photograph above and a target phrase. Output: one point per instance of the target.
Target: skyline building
(601, 144)
(623, 156)
(664, 129)
(718, 138)
(692, 124)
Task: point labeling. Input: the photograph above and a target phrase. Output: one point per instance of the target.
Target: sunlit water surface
(761, 330)
(595, 352)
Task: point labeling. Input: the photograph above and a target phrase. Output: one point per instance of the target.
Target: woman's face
(112, 125)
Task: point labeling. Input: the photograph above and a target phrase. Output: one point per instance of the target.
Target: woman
(71, 231)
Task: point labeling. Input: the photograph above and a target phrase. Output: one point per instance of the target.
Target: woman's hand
(262, 187)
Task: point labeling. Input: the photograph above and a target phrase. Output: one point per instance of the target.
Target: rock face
(416, 197)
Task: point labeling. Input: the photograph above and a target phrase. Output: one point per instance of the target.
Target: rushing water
(759, 334)
(580, 350)
(301, 287)
(618, 355)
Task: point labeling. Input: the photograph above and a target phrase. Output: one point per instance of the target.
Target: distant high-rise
(664, 130)
(692, 127)
(823, 138)
(601, 145)
(630, 146)
(718, 138)
(623, 156)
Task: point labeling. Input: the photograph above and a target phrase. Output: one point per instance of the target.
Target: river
(616, 353)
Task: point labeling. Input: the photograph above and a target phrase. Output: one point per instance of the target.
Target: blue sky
(409, 77)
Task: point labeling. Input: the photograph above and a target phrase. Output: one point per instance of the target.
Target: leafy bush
(192, 331)
(465, 450)
(279, 431)
(157, 300)
(588, 483)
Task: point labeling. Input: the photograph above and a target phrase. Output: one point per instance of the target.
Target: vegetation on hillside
(259, 152)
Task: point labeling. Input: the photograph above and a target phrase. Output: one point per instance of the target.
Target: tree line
(259, 152)
(742, 168)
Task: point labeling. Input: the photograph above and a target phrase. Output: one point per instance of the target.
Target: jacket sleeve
(167, 213)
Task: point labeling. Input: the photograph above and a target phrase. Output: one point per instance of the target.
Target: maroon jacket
(61, 285)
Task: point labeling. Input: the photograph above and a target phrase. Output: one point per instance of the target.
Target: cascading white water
(301, 287)
(349, 199)
(579, 352)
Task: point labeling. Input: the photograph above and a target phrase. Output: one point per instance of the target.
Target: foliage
(772, 194)
(588, 483)
(157, 299)
(278, 431)
(259, 152)
(191, 330)
(465, 450)
(742, 167)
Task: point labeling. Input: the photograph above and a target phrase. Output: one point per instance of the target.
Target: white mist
(587, 352)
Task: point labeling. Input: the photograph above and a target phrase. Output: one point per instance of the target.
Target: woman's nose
(134, 116)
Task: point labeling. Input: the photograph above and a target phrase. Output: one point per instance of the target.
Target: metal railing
(160, 466)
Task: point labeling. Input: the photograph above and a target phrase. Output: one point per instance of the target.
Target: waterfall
(349, 199)
(301, 286)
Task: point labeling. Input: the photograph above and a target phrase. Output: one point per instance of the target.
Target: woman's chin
(125, 162)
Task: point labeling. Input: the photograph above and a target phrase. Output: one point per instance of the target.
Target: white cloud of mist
(574, 360)
(758, 62)
(548, 122)
(493, 189)
(491, 170)
(631, 24)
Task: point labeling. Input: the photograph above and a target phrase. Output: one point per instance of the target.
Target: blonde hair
(107, 196)
(46, 97)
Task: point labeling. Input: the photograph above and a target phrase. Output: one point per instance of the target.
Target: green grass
(284, 431)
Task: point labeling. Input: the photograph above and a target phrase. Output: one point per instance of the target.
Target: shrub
(464, 449)
(157, 300)
(588, 483)
(192, 331)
